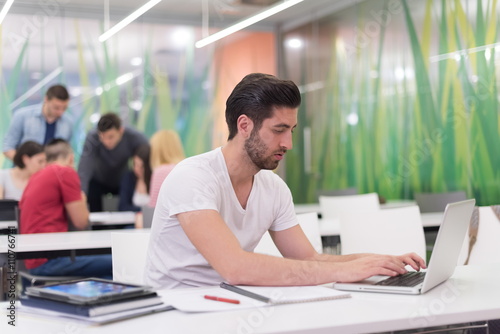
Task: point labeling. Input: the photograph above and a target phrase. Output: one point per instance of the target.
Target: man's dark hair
(109, 121)
(57, 91)
(29, 148)
(143, 152)
(57, 148)
(256, 96)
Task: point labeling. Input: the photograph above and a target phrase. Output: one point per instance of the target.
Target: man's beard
(256, 150)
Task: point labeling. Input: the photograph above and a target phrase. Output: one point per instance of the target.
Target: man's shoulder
(59, 170)
(133, 133)
(30, 111)
(207, 160)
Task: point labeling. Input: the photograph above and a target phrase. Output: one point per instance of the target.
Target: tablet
(88, 291)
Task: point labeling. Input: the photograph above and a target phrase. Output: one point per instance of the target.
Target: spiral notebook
(194, 300)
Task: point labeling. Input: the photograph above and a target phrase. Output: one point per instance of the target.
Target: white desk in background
(6, 224)
(471, 295)
(95, 219)
(331, 227)
(61, 243)
(315, 207)
(112, 218)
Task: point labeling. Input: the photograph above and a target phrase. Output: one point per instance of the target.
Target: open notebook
(193, 300)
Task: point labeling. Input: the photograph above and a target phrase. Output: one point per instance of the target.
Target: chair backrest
(333, 206)
(147, 216)
(337, 192)
(309, 224)
(392, 231)
(436, 202)
(129, 251)
(483, 238)
(8, 209)
(110, 202)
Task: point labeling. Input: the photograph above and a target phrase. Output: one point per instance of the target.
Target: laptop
(443, 260)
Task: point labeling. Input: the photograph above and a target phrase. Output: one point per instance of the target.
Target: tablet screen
(87, 291)
(91, 288)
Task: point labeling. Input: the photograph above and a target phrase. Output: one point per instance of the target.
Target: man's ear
(122, 130)
(245, 126)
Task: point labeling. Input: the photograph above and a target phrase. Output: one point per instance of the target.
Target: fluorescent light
(36, 87)
(126, 21)
(124, 78)
(5, 9)
(246, 22)
(464, 52)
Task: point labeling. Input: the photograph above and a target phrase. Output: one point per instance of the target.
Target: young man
(214, 208)
(51, 197)
(40, 124)
(105, 157)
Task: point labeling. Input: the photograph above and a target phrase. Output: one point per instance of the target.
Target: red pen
(221, 299)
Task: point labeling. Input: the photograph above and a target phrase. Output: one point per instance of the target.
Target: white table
(6, 224)
(95, 218)
(331, 227)
(80, 242)
(315, 207)
(472, 294)
(112, 218)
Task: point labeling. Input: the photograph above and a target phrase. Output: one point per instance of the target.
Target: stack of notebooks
(93, 300)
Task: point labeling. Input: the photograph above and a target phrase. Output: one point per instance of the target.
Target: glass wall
(150, 74)
(398, 97)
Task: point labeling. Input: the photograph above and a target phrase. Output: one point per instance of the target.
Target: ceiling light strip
(246, 22)
(36, 87)
(462, 52)
(5, 9)
(129, 19)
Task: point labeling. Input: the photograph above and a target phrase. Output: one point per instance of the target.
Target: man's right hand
(374, 264)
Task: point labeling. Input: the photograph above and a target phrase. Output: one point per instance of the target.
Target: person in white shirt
(28, 159)
(213, 208)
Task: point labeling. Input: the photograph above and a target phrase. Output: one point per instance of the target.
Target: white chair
(333, 206)
(486, 248)
(129, 251)
(147, 216)
(309, 224)
(392, 231)
(436, 202)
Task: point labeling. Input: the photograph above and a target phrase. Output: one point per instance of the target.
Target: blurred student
(166, 152)
(51, 197)
(40, 124)
(105, 156)
(29, 159)
(134, 188)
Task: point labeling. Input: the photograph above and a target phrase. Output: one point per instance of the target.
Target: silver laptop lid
(448, 243)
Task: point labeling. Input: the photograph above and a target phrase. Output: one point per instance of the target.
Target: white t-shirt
(10, 191)
(202, 182)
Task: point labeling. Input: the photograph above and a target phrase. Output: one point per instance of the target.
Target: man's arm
(13, 136)
(10, 154)
(78, 212)
(213, 239)
(86, 164)
(293, 243)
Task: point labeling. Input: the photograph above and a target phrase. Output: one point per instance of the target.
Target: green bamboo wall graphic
(402, 109)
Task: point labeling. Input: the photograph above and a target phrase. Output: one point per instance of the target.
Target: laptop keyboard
(409, 279)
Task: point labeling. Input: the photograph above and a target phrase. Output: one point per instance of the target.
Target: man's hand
(373, 264)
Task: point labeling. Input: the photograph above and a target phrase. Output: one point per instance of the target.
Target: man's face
(267, 146)
(111, 137)
(54, 108)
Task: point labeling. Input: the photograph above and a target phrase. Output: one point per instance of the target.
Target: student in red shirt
(52, 198)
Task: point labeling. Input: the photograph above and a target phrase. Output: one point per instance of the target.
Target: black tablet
(88, 291)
